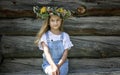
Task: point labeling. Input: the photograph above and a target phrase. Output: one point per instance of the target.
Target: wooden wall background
(95, 34)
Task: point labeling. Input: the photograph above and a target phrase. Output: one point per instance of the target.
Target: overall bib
(56, 50)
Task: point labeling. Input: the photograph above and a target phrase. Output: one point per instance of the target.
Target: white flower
(51, 13)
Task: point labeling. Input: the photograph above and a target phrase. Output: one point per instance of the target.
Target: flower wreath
(44, 12)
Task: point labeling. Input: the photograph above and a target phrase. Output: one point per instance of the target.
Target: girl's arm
(49, 59)
(63, 59)
(47, 53)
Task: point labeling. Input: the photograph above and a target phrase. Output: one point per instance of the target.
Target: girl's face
(55, 22)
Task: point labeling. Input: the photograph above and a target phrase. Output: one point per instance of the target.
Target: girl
(54, 42)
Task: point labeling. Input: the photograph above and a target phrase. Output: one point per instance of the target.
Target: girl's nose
(55, 22)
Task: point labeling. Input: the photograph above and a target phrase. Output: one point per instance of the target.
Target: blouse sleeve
(43, 39)
(67, 42)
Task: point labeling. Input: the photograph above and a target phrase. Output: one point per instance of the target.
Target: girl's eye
(58, 19)
(52, 20)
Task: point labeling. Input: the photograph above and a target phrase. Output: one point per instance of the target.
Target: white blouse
(66, 40)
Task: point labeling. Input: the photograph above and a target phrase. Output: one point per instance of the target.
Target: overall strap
(47, 36)
(62, 36)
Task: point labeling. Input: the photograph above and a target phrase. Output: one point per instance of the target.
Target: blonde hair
(44, 28)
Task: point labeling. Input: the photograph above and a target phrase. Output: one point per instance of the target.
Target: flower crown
(44, 12)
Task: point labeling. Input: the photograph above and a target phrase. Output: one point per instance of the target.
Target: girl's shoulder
(66, 35)
(43, 35)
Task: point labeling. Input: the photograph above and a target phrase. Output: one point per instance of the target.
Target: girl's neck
(56, 32)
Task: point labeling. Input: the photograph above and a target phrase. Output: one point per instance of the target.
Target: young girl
(54, 42)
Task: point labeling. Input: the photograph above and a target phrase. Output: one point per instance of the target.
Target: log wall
(17, 8)
(95, 34)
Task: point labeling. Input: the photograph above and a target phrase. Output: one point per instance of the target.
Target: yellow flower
(43, 10)
(61, 10)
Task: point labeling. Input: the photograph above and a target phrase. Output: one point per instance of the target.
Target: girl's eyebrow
(51, 19)
(54, 19)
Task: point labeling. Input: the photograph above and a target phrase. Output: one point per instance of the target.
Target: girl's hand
(55, 70)
(58, 66)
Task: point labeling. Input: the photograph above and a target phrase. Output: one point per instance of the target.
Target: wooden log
(16, 13)
(19, 46)
(70, 4)
(32, 66)
(95, 46)
(74, 26)
(6, 13)
(15, 9)
(84, 46)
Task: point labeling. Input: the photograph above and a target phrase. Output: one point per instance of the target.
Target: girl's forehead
(55, 17)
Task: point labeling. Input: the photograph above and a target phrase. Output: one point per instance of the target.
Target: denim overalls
(56, 50)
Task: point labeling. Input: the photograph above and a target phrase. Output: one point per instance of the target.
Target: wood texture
(74, 26)
(92, 36)
(84, 46)
(32, 66)
(17, 8)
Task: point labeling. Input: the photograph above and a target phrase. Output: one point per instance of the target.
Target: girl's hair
(44, 28)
